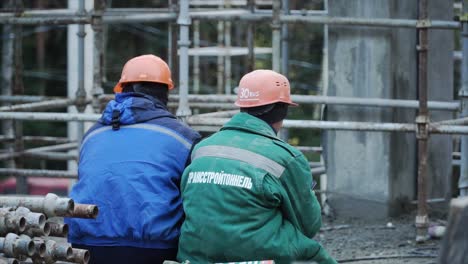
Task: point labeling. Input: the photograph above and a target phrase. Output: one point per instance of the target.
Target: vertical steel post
(250, 39)
(184, 23)
(422, 121)
(7, 82)
(463, 180)
(276, 40)
(220, 62)
(196, 58)
(285, 41)
(80, 94)
(227, 54)
(98, 54)
(173, 44)
(21, 182)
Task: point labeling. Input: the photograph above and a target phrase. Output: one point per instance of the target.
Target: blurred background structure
(382, 86)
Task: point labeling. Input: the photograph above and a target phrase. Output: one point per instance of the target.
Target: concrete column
(376, 172)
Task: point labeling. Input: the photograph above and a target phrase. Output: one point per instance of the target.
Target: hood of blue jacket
(134, 108)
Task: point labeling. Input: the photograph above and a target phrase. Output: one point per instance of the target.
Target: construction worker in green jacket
(247, 194)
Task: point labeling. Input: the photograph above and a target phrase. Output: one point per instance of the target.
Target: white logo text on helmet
(246, 95)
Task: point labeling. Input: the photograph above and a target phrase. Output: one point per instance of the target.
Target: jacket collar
(134, 108)
(244, 121)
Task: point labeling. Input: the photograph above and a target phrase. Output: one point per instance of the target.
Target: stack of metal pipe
(32, 229)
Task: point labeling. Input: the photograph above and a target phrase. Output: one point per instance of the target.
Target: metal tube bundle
(50, 205)
(24, 223)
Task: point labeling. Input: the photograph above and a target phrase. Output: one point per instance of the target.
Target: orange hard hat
(145, 68)
(262, 87)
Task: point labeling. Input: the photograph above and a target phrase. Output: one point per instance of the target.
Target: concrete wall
(369, 170)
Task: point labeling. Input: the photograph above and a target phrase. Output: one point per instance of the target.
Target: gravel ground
(356, 239)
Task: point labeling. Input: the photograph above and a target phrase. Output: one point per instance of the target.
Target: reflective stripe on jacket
(133, 175)
(247, 196)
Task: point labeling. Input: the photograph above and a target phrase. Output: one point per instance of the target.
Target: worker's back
(239, 198)
(132, 172)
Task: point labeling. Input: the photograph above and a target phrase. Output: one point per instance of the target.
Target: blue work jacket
(130, 165)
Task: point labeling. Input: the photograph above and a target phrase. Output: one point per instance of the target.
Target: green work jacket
(247, 196)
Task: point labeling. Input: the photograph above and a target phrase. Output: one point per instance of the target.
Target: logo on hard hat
(246, 94)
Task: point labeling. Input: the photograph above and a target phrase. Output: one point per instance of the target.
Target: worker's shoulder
(178, 127)
(292, 151)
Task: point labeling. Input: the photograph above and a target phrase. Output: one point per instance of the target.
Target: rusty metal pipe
(58, 230)
(13, 246)
(4, 260)
(54, 252)
(11, 223)
(84, 211)
(38, 231)
(50, 205)
(39, 246)
(422, 121)
(33, 220)
(80, 256)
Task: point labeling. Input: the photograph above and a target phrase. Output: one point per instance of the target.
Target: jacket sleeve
(300, 205)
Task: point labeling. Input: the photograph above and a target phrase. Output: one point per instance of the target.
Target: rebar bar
(50, 205)
(13, 246)
(84, 211)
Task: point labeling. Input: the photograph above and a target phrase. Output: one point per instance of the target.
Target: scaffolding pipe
(220, 59)
(342, 125)
(38, 173)
(225, 15)
(18, 88)
(285, 40)
(196, 58)
(227, 58)
(463, 94)
(7, 86)
(184, 23)
(276, 36)
(81, 92)
(36, 139)
(98, 53)
(22, 98)
(44, 152)
(250, 39)
(422, 123)
(58, 103)
(351, 101)
(371, 22)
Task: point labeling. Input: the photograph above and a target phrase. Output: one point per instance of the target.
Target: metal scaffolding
(280, 16)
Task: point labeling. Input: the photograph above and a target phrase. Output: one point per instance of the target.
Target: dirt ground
(380, 242)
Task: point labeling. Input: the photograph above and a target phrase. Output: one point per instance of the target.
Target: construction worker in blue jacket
(130, 165)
